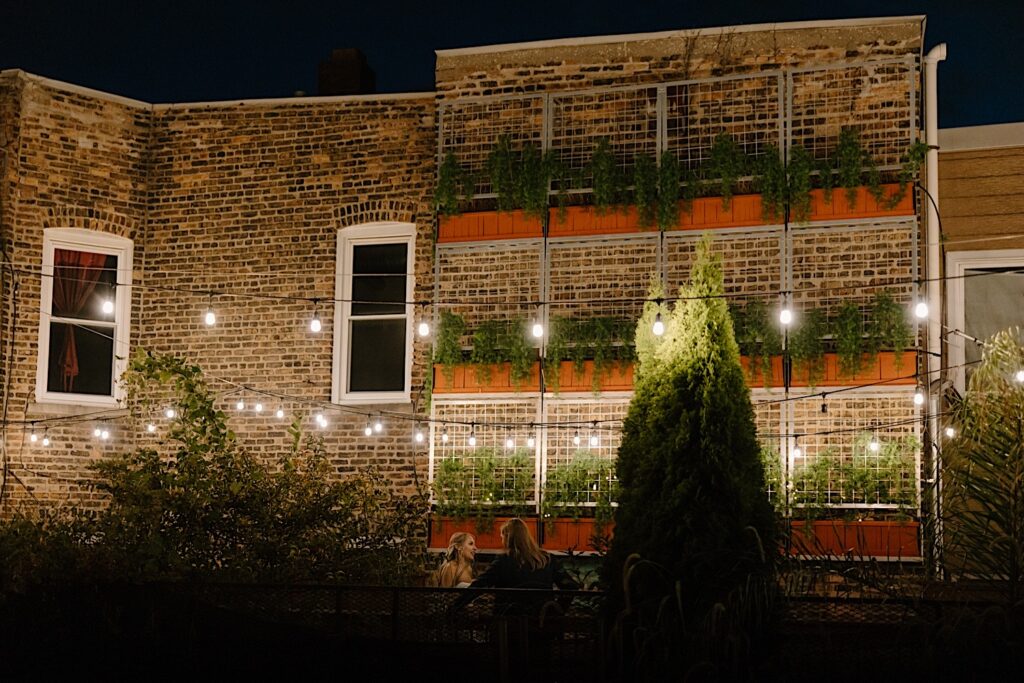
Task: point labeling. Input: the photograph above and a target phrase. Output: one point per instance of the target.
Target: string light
(921, 310)
(33, 437)
(594, 441)
(1019, 376)
(423, 329)
(950, 432)
(170, 413)
(444, 434)
(873, 445)
(797, 451)
(321, 420)
(510, 443)
(418, 436)
(96, 432)
(314, 324)
(279, 413)
(151, 428)
(105, 434)
(108, 301)
(919, 396)
(378, 425)
(659, 327)
(537, 328)
(576, 438)
(240, 405)
(368, 430)
(210, 318)
(472, 436)
(258, 407)
(531, 438)
(46, 439)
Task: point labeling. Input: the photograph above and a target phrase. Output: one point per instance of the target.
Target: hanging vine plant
(758, 336)
(888, 328)
(454, 185)
(518, 351)
(606, 177)
(532, 181)
(848, 332)
(448, 343)
(849, 159)
(826, 179)
(668, 191)
(798, 184)
(645, 189)
(807, 345)
(556, 350)
(727, 164)
(500, 169)
(771, 183)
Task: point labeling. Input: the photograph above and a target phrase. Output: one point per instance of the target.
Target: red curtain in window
(74, 278)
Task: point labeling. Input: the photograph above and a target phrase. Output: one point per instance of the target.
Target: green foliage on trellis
(569, 487)
(482, 483)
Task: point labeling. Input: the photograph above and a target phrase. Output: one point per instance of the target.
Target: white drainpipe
(933, 270)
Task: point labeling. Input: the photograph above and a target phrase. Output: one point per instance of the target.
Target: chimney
(346, 73)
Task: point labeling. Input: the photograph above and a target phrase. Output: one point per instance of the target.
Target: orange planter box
(707, 213)
(564, 534)
(838, 538)
(586, 220)
(882, 367)
(464, 380)
(752, 371)
(488, 225)
(864, 206)
(442, 528)
(617, 378)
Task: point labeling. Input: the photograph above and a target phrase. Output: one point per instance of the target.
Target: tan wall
(981, 195)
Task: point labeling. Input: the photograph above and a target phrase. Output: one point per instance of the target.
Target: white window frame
(348, 238)
(77, 239)
(957, 264)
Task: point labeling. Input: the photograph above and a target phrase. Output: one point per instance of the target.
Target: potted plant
(577, 502)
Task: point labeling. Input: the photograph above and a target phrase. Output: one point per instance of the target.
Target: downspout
(933, 270)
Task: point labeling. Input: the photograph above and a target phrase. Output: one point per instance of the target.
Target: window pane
(81, 359)
(378, 275)
(377, 355)
(82, 281)
(992, 302)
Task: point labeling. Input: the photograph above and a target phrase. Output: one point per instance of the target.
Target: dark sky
(189, 50)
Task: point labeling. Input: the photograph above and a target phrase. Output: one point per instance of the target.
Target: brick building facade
(243, 207)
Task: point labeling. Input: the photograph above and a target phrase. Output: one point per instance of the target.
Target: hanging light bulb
(108, 302)
(576, 438)
(151, 428)
(210, 318)
(919, 397)
(873, 445)
(368, 430)
(314, 324)
(280, 413)
(785, 315)
(240, 405)
(1019, 376)
(33, 437)
(472, 436)
(258, 407)
(950, 432)
(46, 439)
(659, 327)
(797, 451)
(418, 435)
(105, 434)
(594, 441)
(378, 425)
(96, 432)
(537, 329)
(921, 310)
(444, 434)
(321, 420)
(510, 443)
(170, 413)
(531, 439)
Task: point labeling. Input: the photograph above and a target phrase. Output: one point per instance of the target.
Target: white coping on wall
(680, 33)
(99, 94)
(993, 136)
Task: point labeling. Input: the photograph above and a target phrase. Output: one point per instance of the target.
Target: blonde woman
(524, 564)
(457, 569)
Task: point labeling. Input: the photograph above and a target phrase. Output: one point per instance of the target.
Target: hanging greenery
(448, 343)
(806, 345)
(849, 159)
(826, 179)
(645, 189)
(605, 341)
(668, 191)
(586, 482)
(727, 164)
(496, 342)
(501, 164)
(848, 332)
(770, 181)
(911, 163)
(483, 482)
(691, 189)
(518, 350)
(758, 336)
(454, 184)
(798, 190)
(607, 181)
(888, 328)
(532, 181)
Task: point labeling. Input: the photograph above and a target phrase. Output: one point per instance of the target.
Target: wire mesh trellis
(751, 262)
(877, 99)
(768, 421)
(584, 441)
(747, 108)
(471, 127)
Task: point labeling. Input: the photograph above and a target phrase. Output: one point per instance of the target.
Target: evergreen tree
(693, 498)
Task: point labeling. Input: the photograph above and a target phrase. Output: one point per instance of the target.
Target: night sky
(190, 50)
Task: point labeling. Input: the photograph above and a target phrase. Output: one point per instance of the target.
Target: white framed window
(373, 321)
(985, 294)
(84, 320)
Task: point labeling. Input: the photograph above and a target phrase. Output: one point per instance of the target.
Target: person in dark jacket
(524, 564)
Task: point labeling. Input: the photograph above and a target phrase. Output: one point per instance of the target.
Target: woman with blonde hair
(524, 564)
(457, 569)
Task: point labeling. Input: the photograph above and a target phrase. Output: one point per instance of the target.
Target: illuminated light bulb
(531, 441)
(323, 423)
(418, 437)
(320, 419)
(919, 397)
(950, 432)
(105, 435)
(96, 432)
(1019, 376)
(444, 435)
(594, 441)
(108, 306)
(151, 428)
(873, 445)
(368, 430)
(279, 413)
(240, 405)
(46, 440)
(576, 438)
(538, 330)
(258, 407)
(921, 309)
(314, 324)
(33, 437)
(510, 442)
(659, 327)
(785, 316)
(472, 437)
(423, 329)
(210, 318)
(170, 413)
(798, 452)
(378, 426)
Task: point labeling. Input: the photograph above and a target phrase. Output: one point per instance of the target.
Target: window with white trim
(373, 319)
(84, 316)
(985, 295)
